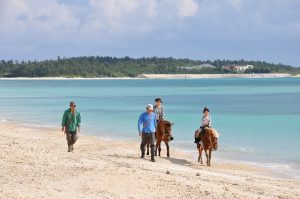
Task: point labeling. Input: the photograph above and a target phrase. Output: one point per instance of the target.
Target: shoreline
(35, 164)
(270, 168)
(166, 76)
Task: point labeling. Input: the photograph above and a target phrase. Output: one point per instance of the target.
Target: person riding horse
(160, 113)
(205, 122)
(159, 110)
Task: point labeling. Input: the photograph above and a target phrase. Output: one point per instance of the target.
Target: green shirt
(71, 121)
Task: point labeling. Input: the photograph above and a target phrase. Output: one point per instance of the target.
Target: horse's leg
(155, 153)
(200, 149)
(209, 157)
(206, 154)
(199, 153)
(201, 160)
(159, 147)
(168, 148)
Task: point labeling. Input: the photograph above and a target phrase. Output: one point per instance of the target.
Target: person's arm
(155, 122)
(140, 124)
(203, 124)
(162, 113)
(64, 122)
(78, 121)
(209, 122)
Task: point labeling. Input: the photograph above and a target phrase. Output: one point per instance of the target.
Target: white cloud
(131, 16)
(51, 25)
(100, 17)
(36, 17)
(187, 8)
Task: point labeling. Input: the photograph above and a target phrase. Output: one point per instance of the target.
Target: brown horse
(163, 133)
(210, 142)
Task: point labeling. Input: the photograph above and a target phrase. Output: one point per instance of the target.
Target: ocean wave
(38, 125)
(3, 120)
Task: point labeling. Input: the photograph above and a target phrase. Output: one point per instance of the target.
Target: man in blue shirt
(147, 127)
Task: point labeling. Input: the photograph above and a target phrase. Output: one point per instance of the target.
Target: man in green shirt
(71, 125)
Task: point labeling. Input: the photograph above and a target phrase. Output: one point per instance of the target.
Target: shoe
(69, 148)
(171, 138)
(72, 148)
(142, 156)
(152, 159)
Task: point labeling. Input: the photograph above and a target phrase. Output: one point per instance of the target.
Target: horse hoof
(147, 153)
(168, 155)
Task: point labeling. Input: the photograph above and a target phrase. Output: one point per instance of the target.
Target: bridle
(164, 130)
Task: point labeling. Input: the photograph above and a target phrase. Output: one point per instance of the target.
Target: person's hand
(63, 129)
(140, 134)
(78, 129)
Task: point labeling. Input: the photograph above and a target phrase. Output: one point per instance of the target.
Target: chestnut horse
(210, 143)
(163, 133)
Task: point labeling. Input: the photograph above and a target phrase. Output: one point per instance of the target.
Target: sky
(266, 30)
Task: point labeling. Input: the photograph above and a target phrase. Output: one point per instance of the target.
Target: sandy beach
(35, 164)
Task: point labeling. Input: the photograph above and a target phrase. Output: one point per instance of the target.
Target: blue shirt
(147, 123)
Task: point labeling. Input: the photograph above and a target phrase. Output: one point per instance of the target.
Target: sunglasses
(73, 105)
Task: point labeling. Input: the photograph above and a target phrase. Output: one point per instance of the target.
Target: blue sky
(199, 29)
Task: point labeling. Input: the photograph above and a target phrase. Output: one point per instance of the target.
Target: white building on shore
(239, 69)
(198, 67)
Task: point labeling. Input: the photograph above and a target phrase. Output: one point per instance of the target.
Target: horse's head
(213, 138)
(214, 143)
(167, 128)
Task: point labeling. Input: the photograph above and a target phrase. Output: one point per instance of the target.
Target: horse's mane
(162, 125)
(167, 123)
(207, 138)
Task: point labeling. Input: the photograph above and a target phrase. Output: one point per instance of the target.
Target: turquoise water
(259, 119)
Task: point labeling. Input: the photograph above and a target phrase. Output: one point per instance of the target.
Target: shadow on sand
(178, 161)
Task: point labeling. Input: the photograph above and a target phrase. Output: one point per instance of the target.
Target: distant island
(98, 66)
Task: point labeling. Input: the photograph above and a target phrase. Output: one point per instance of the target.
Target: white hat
(149, 107)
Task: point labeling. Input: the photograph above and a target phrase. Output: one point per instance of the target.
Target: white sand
(34, 164)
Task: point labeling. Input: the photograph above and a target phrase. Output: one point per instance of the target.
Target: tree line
(99, 66)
